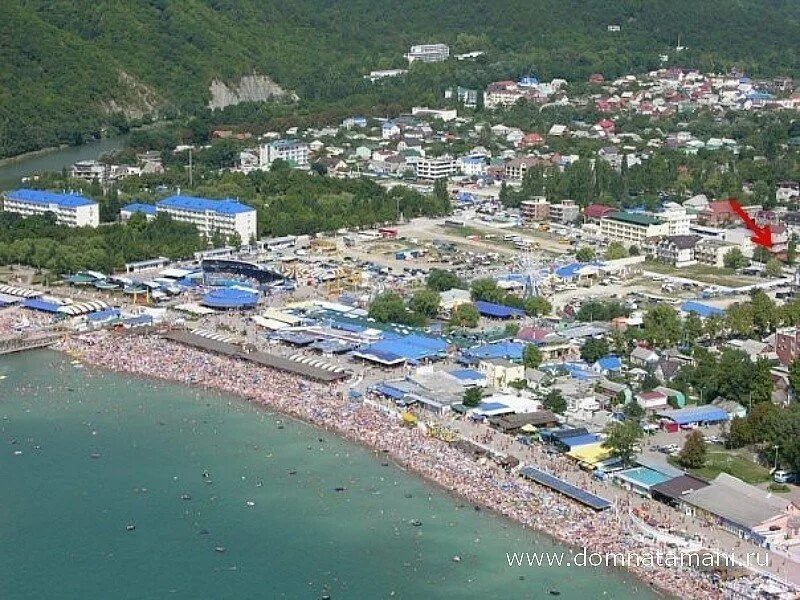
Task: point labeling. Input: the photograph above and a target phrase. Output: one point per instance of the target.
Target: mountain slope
(69, 67)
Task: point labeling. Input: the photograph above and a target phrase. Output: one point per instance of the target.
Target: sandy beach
(483, 485)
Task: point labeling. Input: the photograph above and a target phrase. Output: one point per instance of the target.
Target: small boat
(259, 484)
(206, 475)
(340, 489)
(130, 527)
(204, 532)
(292, 472)
(17, 452)
(416, 522)
(94, 455)
(456, 559)
(219, 549)
(250, 503)
(553, 592)
(185, 497)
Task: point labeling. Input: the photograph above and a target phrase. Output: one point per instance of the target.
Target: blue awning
(42, 305)
(389, 391)
(498, 311)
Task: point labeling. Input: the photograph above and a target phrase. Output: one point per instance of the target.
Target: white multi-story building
(89, 170)
(502, 93)
(676, 218)
(226, 217)
(440, 167)
(428, 53)
(631, 229)
(292, 151)
(73, 210)
(472, 165)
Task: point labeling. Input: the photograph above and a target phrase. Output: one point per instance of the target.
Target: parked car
(781, 476)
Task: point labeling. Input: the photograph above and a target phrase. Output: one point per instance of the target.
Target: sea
(116, 487)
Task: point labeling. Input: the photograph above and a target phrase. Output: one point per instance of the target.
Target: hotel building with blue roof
(209, 216)
(72, 210)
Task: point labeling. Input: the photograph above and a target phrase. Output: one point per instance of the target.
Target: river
(12, 172)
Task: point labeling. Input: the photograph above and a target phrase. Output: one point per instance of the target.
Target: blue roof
(412, 347)
(580, 440)
(559, 485)
(609, 363)
(389, 391)
(139, 207)
(490, 406)
(229, 298)
(510, 350)
(228, 206)
(644, 477)
(467, 374)
(103, 315)
(698, 414)
(700, 309)
(42, 305)
(498, 311)
(138, 320)
(42, 197)
(569, 271)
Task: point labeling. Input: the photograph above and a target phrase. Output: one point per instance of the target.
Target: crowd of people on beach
(14, 320)
(485, 485)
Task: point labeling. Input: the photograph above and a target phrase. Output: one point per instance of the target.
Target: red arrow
(762, 236)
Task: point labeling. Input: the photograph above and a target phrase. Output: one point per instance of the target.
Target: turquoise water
(63, 513)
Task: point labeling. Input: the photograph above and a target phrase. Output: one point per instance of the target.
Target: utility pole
(776, 457)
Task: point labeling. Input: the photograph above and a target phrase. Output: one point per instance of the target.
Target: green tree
(464, 315)
(791, 250)
(441, 280)
(739, 319)
(794, 376)
(662, 326)
(692, 328)
(762, 255)
(615, 251)
(650, 382)
(693, 453)
(633, 411)
(622, 438)
(713, 326)
(537, 305)
(473, 396)
(761, 383)
(740, 433)
(734, 259)
(773, 268)
(486, 289)
(584, 254)
(388, 307)
(555, 402)
(425, 302)
(531, 356)
(765, 313)
(594, 349)
(619, 343)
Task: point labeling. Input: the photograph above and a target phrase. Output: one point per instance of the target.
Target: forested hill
(69, 67)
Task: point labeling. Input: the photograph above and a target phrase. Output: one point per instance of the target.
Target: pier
(10, 344)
